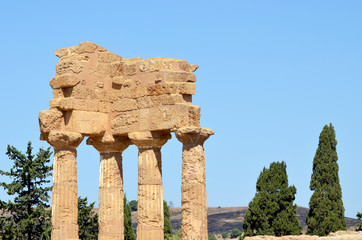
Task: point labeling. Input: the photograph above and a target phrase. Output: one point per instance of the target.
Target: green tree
(235, 233)
(326, 211)
(128, 230)
(133, 205)
(167, 228)
(87, 220)
(177, 236)
(359, 226)
(27, 217)
(271, 212)
(225, 235)
(212, 237)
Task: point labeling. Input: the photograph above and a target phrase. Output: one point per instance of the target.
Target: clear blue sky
(272, 74)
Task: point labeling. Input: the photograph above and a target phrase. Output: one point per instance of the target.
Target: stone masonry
(117, 102)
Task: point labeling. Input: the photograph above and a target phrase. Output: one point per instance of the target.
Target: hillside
(225, 219)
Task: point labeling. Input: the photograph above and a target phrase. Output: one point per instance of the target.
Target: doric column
(65, 189)
(150, 191)
(111, 214)
(193, 187)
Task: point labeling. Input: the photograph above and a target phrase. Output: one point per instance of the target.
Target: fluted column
(111, 208)
(65, 188)
(193, 187)
(150, 191)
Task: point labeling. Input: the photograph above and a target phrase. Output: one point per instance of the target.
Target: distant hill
(225, 219)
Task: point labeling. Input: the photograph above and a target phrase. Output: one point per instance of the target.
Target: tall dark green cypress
(326, 211)
(128, 230)
(271, 212)
(27, 216)
(167, 228)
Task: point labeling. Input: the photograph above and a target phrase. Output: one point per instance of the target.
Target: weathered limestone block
(64, 81)
(88, 123)
(160, 117)
(111, 214)
(159, 77)
(182, 88)
(193, 187)
(65, 190)
(71, 103)
(69, 67)
(108, 57)
(164, 64)
(137, 71)
(191, 113)
(125, 122)
(150, 191)
(82, 92)
(86, 47)
(50, 120)
(61, 52)
(124, 105)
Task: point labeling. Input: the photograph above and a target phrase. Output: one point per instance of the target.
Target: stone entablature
(98, 93)
(116, 102)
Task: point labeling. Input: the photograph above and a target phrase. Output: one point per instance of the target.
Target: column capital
(62, 139)
(149, 139)
(118, 145)
(193, 135)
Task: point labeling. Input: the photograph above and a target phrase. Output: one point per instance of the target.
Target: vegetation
(87, 220)
(235, 233)
(271, 212)
(212, 237)
(167, 228)
(225, 235)
(326, 211)
(133, 205)
(27, 215)
(359, 226)
(177, 236)
(128, 230)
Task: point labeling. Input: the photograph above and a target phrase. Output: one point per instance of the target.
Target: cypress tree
(326, 211)
(271, 212)
(359, 226)
(128, 230)
(167, 228)
(27, 217)
(87, 220)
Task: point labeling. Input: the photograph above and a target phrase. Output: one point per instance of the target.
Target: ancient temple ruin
(116, 102)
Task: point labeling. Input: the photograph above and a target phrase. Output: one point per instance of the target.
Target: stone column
(111, 214)
(65, 189)
(193, 187)
(150, 191)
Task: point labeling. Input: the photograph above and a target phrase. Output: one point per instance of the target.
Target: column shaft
(65, 189)
(193, 200)
(150, 195)
(193, 187)
(150, 191)
(65, 195)
(111, 205)
(111, 214)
